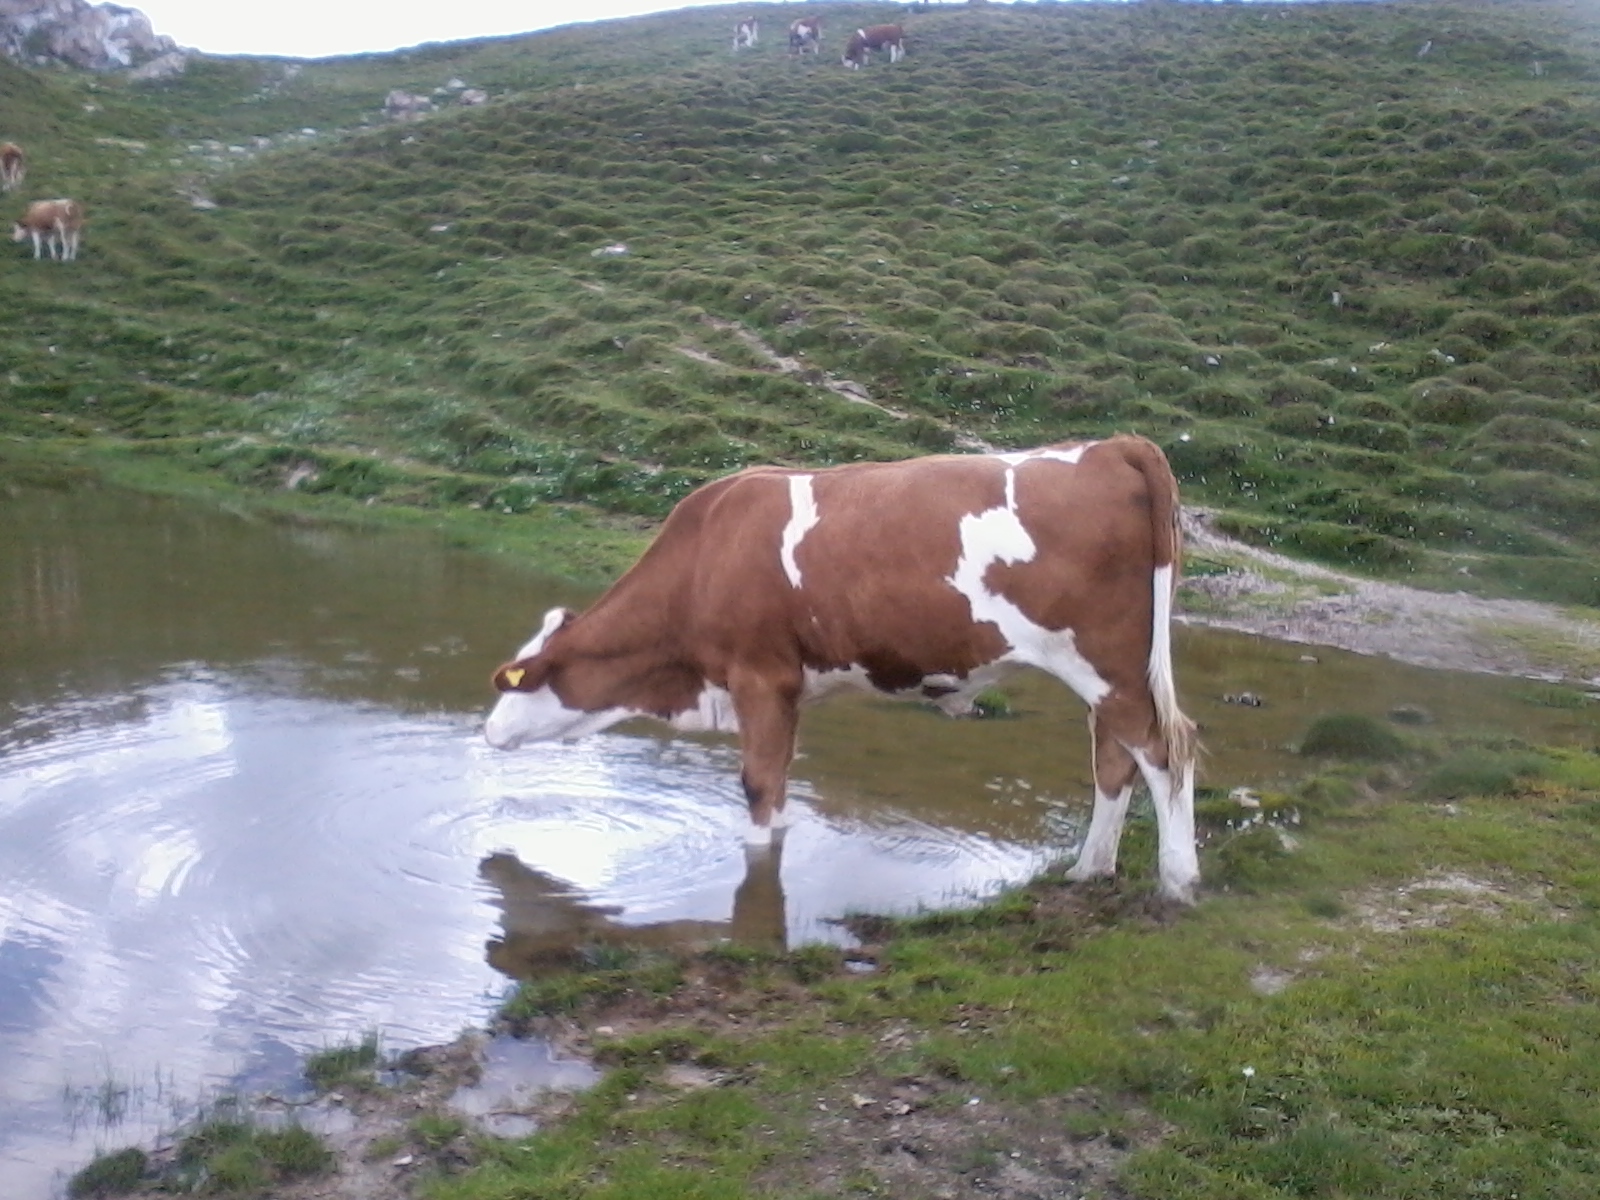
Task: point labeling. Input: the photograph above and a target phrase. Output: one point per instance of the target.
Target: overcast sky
(313, 28)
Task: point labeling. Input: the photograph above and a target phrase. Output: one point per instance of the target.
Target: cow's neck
(627, 658)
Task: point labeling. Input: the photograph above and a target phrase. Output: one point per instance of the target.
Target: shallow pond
(245, 811)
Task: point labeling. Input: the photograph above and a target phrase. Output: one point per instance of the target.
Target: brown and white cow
(805, 34)
(55, 224)
(927, 579)
(745, 34)
(13, 166)
(874, 37)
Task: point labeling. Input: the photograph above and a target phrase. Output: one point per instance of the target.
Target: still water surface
(245, 811)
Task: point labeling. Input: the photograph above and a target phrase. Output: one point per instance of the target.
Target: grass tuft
(1352, 736)
(348, 1065)
(111, 1174)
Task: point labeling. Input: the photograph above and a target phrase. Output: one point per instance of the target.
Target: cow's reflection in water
(548, 925)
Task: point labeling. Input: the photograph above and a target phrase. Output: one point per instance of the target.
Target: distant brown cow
(805, 34)
(13, 167)
(56, 224)
(928, 580)
(745, 34)
(874, 37)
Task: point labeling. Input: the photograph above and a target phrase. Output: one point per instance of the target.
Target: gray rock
(94, 37)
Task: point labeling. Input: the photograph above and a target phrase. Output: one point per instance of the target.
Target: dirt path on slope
(1278, 597)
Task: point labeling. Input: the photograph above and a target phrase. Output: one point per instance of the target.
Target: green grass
(1432, 1032)
(223, 1152)
(109, 1174)
(1352, 736)
(1345, 286)
(351, 1064)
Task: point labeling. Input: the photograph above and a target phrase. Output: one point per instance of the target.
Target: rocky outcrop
(96, 37)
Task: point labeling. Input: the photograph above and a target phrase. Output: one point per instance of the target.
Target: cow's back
(872, 572)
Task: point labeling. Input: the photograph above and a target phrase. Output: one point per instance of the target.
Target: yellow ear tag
(514, 675)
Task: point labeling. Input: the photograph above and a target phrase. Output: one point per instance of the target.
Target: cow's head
(530, 707)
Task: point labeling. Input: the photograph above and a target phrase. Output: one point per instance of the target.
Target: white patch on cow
(553, 620)
(1070, 455)
(539, 716)
(997, 536)
(761, 837)
(713, 713)
(803, 518)
(519, 717)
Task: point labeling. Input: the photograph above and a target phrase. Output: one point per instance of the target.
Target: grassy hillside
(1349, 285)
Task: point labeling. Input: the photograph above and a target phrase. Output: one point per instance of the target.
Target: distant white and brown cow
(874, 37)
(13, 166)
(745, 34)
(805, 34)
(401, 105)
(57, 225)
(928, 579)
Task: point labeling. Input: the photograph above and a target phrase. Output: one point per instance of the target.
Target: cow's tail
(1177, 730)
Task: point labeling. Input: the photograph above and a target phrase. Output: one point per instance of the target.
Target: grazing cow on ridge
(401, 105)
(57, 223)
(13, 167)
(805, 34)
(927, 579)
(874, 37)
(745, 34)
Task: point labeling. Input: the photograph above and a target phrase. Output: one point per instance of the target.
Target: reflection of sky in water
(657, 827)
(201, 884)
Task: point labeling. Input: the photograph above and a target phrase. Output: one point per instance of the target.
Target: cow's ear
(521, 676)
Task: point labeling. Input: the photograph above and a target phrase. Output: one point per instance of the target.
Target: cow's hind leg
(769, 718)
(1173, 799)
(1114, 772)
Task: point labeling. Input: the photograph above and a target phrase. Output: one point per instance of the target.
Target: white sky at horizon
(318, 28)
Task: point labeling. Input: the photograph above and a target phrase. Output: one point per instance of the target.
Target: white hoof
(1179, 893)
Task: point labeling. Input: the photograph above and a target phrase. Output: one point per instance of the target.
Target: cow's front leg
(1114, 771)
(769, 716)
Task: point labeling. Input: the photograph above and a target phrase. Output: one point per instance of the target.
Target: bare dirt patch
(925, 1138)
(1440, 899)
(1279, 597)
